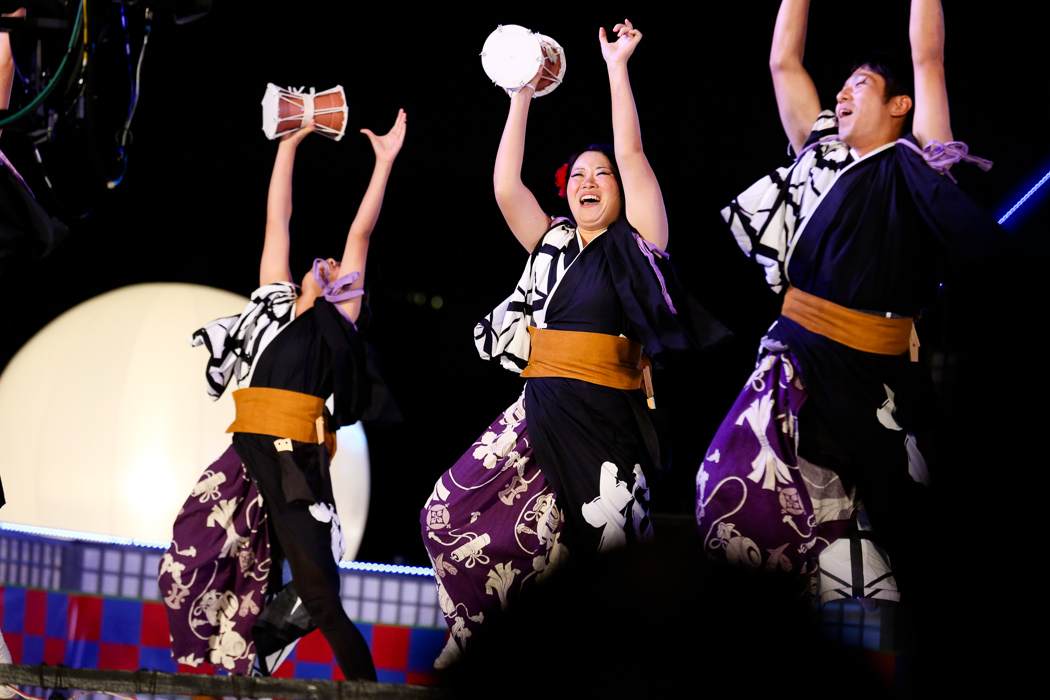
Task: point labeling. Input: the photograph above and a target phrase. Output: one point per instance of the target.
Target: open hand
(627, 38)
(388, 145)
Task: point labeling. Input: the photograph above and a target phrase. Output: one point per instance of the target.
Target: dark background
(191, 206)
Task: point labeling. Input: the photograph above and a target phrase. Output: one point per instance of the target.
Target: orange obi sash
(854, 329)
(285, 414)
(606, 360)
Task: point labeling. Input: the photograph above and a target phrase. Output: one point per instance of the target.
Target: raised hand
(293, 139)
(388, 145)
(627, 38)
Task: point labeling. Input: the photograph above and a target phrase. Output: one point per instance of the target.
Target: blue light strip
(1025, 198)
(154, 544)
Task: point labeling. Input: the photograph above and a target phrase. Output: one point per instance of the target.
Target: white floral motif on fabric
(499, 581)
(609, 510)
(767, 467)
(325, 513)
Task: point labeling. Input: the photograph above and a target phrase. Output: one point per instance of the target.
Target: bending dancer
(275, 474)
(857, 232)
(594, 294)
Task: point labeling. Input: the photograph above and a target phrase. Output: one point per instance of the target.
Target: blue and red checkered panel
(84, 631)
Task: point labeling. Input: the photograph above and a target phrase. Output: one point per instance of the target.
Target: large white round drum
(105, 425)
(512, 54)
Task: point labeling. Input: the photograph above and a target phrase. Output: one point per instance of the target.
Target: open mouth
(845, 112)
(590, 199)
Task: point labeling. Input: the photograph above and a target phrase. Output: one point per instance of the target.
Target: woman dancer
(594, 292)
(293, 348)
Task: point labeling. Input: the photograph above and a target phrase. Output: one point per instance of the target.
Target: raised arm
(524, 215)
(7, 62)
(355, 253)
(797, 99)
(277, 244)
(643, 201)
(926, 31)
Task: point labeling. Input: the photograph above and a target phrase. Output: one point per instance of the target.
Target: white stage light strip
(387, 568)
(82, 536)
(153, 544)
(1024, 199)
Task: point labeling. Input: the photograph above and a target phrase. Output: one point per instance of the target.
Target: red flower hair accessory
(561, 178)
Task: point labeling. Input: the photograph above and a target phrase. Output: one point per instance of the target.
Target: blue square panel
(385, 676)
(57, 612)
(32, 649)
(15, 610)
(366, 632)
(305, 669)
(121, 621)
(81, 654)
(424, 645)
(157, 659)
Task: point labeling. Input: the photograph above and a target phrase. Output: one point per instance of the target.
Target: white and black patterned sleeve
(234, 342)
(765, 218)
(503, 335)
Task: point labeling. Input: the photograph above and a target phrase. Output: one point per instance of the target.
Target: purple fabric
(14, 171)
(330, 290)
(492, 526)
(214, 575)
(754, 506)
(648, 249)
(941, 156)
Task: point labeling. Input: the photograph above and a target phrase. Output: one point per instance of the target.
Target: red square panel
(155, 625)
(118, 657)
(418, 678)
(85, 617)
(314, 648)
(390, 647)
(285, 670)
(54, 651)
(14, 645)
(36, 612)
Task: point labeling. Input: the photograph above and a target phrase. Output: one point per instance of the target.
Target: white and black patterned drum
(513, 54)
(288, 110)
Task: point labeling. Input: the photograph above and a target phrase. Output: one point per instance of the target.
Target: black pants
(306, 544)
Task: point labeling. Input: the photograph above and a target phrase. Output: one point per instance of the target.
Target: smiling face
(866, 118)
(593, 192)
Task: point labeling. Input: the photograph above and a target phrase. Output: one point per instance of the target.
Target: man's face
(859, 104)
(864, 114)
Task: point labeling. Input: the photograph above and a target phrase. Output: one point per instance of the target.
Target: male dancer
(857, 232)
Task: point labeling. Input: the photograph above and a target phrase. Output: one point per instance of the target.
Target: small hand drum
(512, 54)
(285, 111)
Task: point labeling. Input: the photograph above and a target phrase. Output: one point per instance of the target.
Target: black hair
(607, 151)
(896, 75)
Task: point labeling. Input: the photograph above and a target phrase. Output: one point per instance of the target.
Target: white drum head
(269, 105)
(511, 56)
